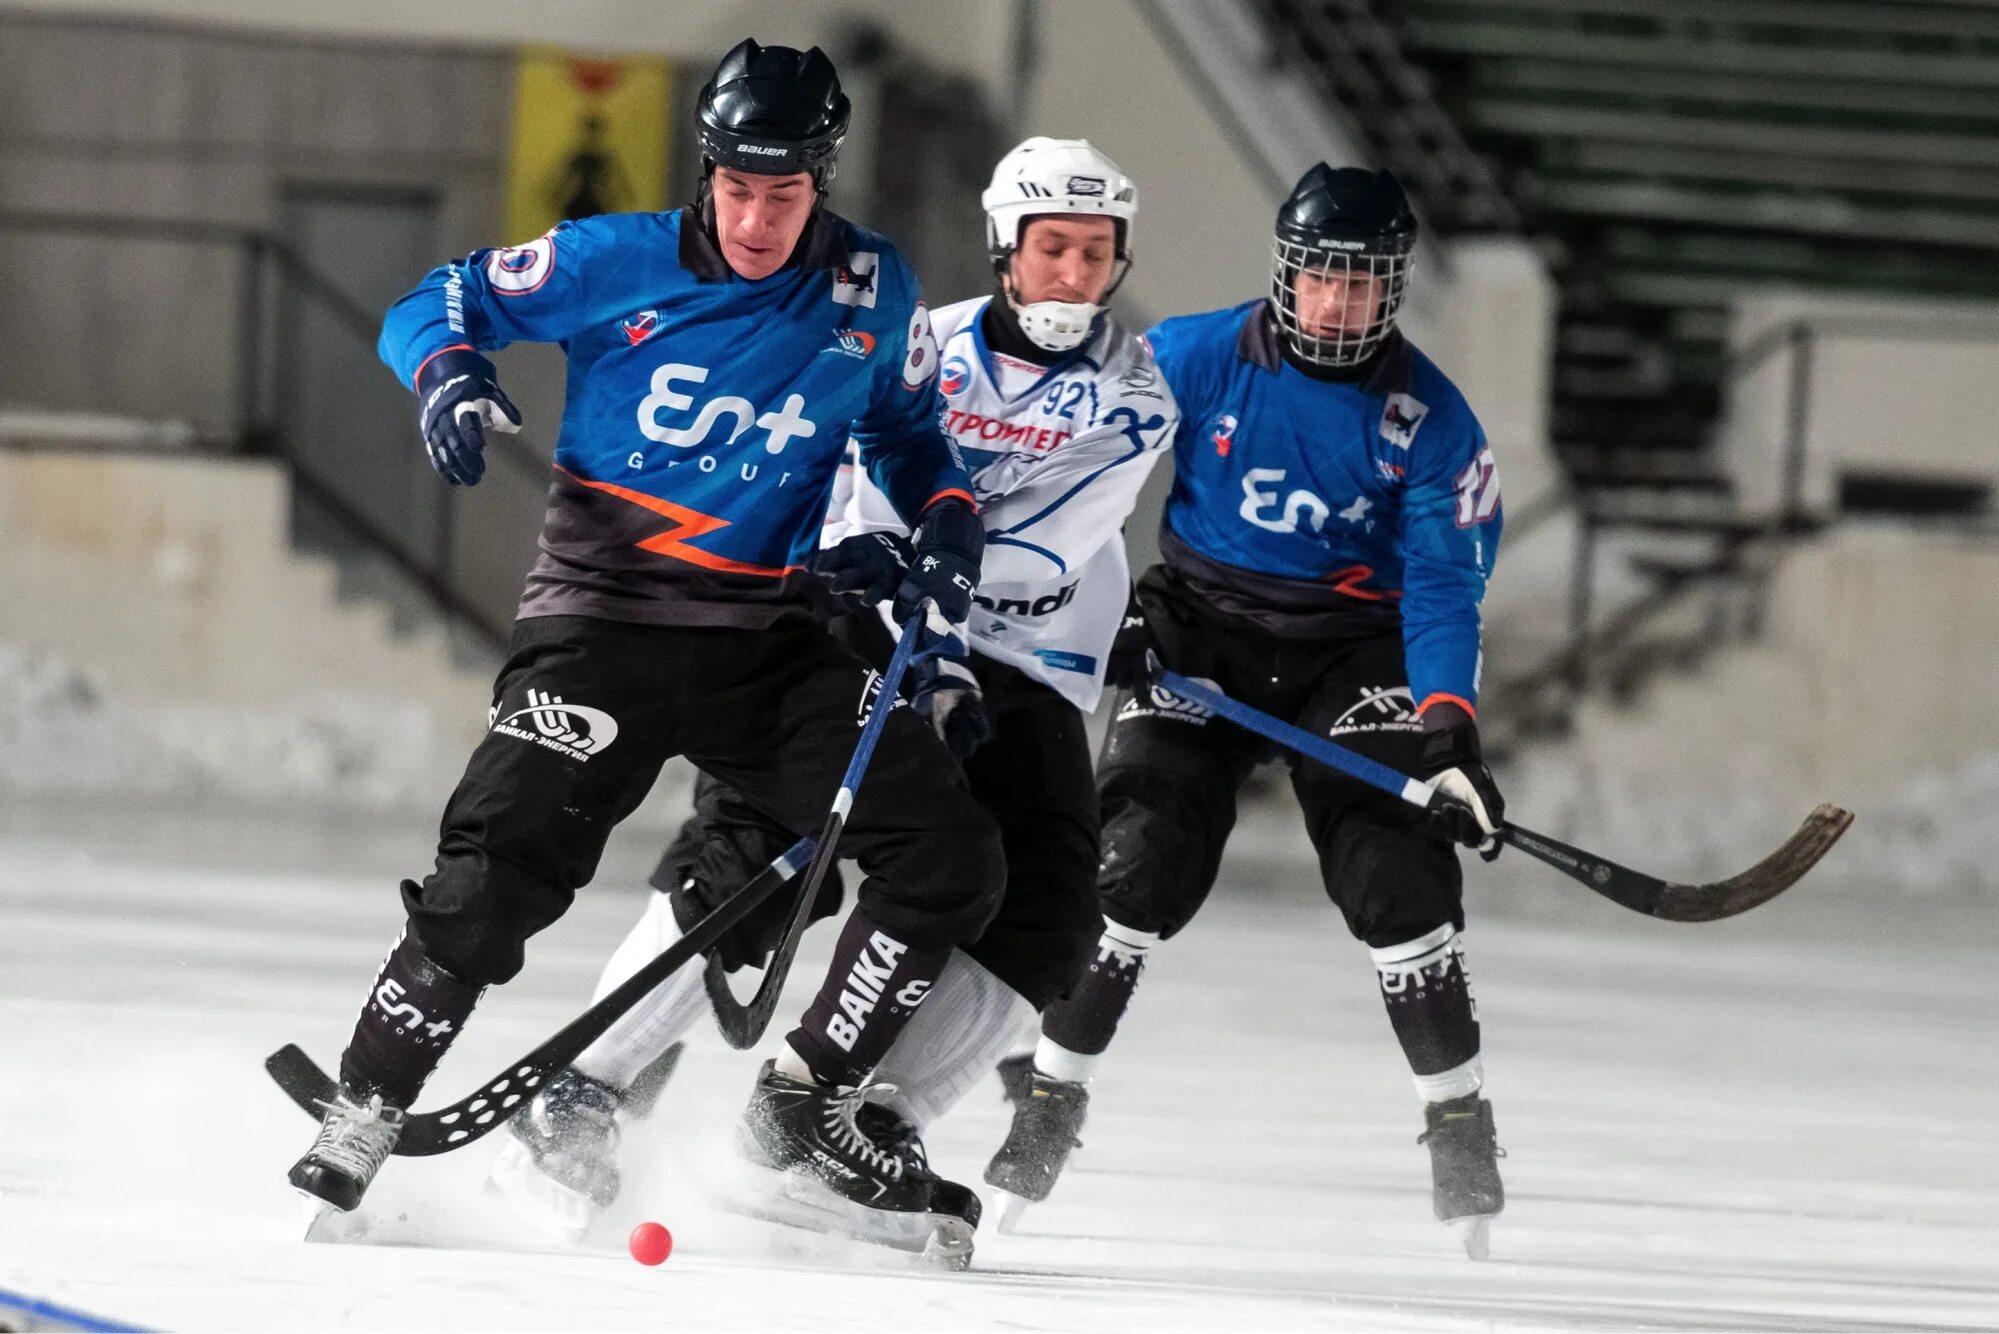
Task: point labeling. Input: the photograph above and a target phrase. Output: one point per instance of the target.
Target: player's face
(1332, 302)
(758, 219)
(1065, 259)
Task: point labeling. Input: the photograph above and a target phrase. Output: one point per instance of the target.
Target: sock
(965, 1025)
(414, 1012)
(665, 1016)
(1056, 1061)
(871, 991)
(1431, 1007)
(1083, 1022)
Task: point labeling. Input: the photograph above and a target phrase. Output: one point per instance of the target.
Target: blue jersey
(1314, 507)
(706, 415)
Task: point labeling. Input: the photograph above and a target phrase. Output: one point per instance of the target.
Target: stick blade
(1761, 882)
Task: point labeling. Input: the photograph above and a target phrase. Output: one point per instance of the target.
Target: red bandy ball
(650, 1243)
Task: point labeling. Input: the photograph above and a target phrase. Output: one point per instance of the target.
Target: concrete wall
(1893, 387)
(173, 579)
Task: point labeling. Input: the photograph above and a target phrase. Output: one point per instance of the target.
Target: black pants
(1035, 780)
(586, 711)
(1170, 773)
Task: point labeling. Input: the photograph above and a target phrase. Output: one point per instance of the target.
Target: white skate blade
(312, 1213)
(1012, 1208)
(324, 1223)
(800, 1200)
(1475, 1232)
(559, 1213)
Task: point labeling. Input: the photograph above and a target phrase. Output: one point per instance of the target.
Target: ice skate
(1464, 1166)
(1045, 1126)
(825, 1159)
(356, 1136)
(1016, 1076)
(558, 1161)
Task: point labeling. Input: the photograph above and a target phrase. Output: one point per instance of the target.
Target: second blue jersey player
(1333, 519)
(720, 358)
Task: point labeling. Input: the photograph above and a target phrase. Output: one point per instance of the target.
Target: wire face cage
(1347, 336)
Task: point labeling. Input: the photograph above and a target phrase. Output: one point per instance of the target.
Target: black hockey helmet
(772, 111)
(1342, 222)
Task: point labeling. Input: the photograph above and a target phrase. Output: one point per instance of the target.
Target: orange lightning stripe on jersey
(693, 524)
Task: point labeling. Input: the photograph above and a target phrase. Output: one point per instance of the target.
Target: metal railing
(465, 557)
(1747, 547)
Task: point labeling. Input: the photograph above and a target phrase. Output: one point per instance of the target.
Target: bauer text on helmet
(1340, 263)
(1044, 178)
(770, 124)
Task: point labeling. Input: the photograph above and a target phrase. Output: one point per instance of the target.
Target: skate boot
(1464, 1166)
(1016, 1076)
(843, 1164)
(356, 1136)
(558, 1162)
(1045, 1126)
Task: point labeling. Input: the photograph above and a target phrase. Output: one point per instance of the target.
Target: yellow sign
(589, 137)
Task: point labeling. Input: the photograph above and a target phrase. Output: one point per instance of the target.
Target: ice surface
(1778, 1122)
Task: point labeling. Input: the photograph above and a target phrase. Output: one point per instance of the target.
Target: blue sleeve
(902, 440)
(1450, 538)
(542, 292)
(1174, 353)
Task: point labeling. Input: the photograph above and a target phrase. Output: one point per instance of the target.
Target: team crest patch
(1224, 433)
(854, 281)
(639, 327)
(856, 343)
(1400, 419)
(520, 269)
(955, 375)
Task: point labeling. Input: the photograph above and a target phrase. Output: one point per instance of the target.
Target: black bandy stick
(471, 1117)
(1664, 899)
(743, 1026)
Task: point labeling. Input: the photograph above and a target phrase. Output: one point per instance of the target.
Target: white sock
(1457, 1082)
(1058, 1062)
(789, 1062)
(658, 1021)
(954, 1040)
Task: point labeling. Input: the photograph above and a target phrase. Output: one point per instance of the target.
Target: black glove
(1474, 810)
(460, 396)
(946, 692)
(949, 545)
(1126, 667)
(870, 566)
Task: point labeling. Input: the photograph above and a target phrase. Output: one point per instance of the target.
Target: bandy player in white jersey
(1060, 415)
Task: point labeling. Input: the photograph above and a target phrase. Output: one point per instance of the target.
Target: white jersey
(1057, 457)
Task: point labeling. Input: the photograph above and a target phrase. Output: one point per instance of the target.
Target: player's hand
(1127, 666)
(1472, 809)
(945, 572)
(460, 396)
(870, 566)
(949, 696)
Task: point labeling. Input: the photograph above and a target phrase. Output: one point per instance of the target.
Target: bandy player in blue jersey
(1333, 520)
(720, 358)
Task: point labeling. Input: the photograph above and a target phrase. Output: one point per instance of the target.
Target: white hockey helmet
(1041, 176)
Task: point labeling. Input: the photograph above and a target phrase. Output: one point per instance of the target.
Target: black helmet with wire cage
(1349, 225)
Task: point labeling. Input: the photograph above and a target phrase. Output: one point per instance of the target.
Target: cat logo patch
(1400, 419)
(854, 281)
